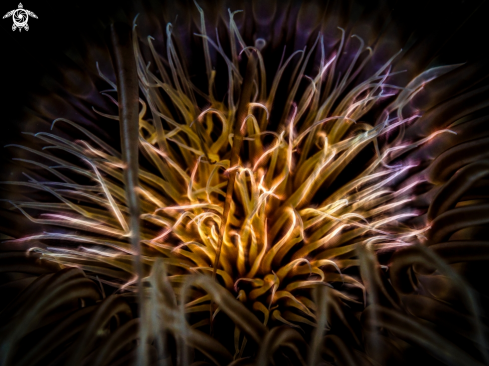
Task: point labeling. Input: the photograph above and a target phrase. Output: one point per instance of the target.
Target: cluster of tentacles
(318, 206)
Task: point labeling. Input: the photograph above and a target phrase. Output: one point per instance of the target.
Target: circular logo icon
(20, 18)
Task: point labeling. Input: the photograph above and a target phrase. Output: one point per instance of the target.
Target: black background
(28, 58)
(461, 26)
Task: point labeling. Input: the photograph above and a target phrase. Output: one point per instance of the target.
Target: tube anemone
(293, 200)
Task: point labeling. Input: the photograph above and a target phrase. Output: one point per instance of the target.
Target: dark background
(29, 59)
(26, 57)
